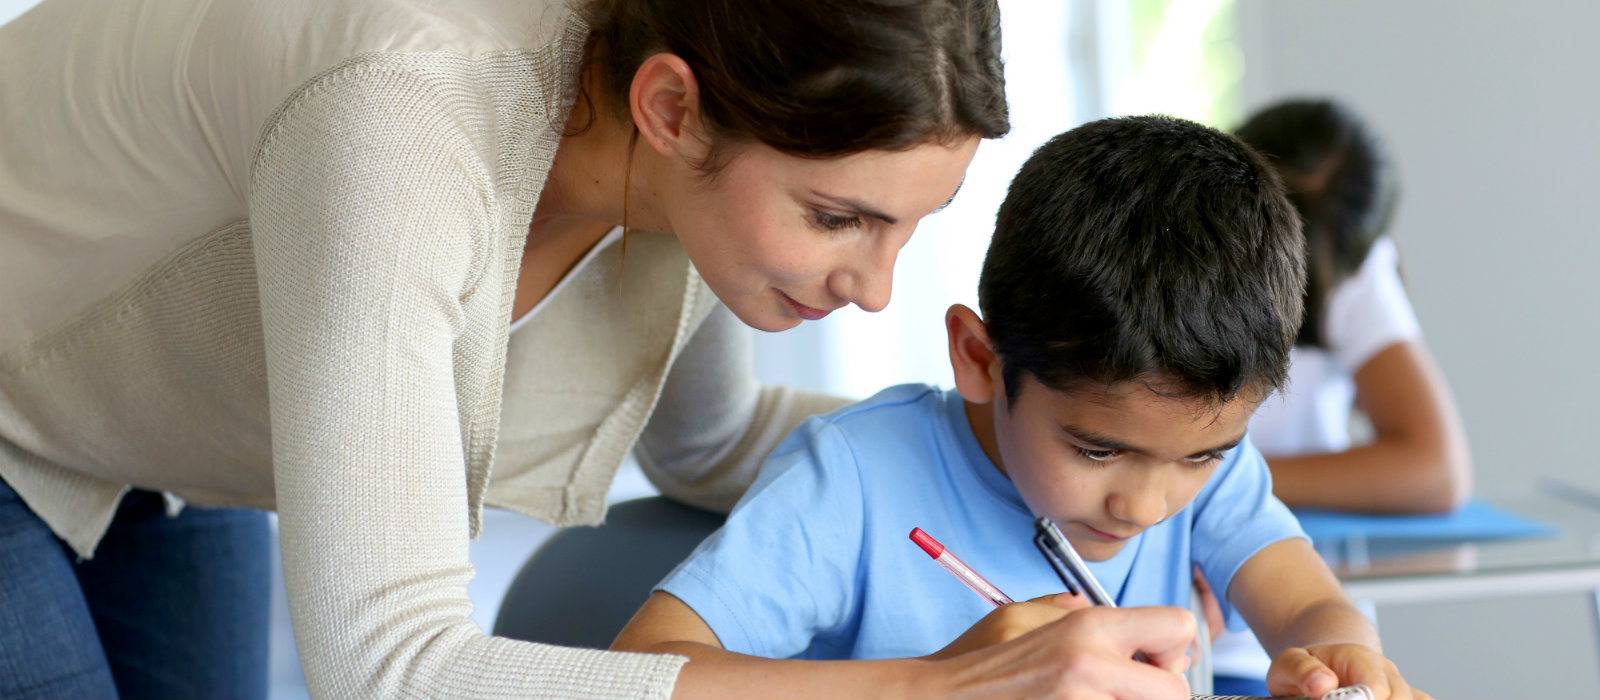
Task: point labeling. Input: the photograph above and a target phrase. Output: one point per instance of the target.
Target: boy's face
(1106, 463)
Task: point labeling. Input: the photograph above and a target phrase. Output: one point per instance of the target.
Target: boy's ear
(665, 101)
(976, 366)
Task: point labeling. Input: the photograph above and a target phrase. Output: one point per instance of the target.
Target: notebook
(1349, 692)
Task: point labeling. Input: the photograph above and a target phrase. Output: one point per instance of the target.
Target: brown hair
(1341, 181)
(815, 78)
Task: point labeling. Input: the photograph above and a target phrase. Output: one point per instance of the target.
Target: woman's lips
(806, 312)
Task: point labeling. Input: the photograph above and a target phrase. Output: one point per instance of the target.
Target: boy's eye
(1098, 455)
(834, 222)
(1205, 459)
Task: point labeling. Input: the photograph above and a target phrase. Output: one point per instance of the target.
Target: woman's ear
(665, 101)
(976, 366)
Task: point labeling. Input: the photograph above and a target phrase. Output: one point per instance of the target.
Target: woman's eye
(834, 222)
(1098, 455)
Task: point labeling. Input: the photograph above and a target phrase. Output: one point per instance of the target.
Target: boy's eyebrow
(1103, 442)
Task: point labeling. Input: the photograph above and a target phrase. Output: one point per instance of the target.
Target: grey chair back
(584, 583)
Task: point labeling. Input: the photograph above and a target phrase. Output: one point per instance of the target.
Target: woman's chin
(769, 320)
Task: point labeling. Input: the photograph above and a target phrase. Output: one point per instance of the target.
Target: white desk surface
(1414, 571)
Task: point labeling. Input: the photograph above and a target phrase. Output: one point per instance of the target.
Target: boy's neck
(980, 417)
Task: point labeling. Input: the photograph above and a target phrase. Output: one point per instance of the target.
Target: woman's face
(782, 239)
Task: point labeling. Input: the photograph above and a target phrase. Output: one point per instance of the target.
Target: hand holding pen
(1009, 620)
(1086, 591)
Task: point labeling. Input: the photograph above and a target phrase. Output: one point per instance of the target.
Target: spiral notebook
(1349, 692)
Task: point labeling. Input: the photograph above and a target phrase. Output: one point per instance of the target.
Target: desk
(1383, 571)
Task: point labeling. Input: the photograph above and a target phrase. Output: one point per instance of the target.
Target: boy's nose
(1144, 505)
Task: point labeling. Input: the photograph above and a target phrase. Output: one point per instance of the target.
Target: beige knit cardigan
(263, 253)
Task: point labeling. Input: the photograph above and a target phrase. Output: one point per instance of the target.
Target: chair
(583, 585)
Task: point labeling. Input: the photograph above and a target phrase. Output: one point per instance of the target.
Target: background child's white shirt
(1367, 312)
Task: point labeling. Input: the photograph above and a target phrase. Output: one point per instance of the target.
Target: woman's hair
(1341, 181)
(815, 78)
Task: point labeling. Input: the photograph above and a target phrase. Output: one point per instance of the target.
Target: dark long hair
(1339, 179)
(816, 78)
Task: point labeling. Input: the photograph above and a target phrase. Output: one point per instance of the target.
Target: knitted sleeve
(714, 424)
(371, 209)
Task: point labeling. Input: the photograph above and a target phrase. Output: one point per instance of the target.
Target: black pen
(1070, 568)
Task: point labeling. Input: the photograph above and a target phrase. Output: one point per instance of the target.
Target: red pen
(954, 565)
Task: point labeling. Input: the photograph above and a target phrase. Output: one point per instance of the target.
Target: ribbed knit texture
(317, 319)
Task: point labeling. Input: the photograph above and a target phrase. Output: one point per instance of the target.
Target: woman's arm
(1087, 654)
(372, 216)
(714, 424)
(1418, 461)
(1318, 640)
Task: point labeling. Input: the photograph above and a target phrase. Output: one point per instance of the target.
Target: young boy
(1139, 299)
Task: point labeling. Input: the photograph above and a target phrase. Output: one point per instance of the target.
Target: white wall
(1489, 107)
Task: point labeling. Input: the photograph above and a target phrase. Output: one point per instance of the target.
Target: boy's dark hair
(1145, 248)
(1341, 182)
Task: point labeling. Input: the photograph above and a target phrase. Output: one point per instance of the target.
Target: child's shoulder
(896, 416)
(904, 402)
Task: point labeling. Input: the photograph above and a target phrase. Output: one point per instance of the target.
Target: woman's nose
(868, 281)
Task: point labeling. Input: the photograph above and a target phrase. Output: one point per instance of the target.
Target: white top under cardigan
(263, 253)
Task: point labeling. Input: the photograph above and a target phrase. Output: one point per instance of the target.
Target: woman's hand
(1085, 655)
(1008, 622)
(1313, 671)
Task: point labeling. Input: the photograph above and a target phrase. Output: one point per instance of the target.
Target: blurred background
(1483, 105)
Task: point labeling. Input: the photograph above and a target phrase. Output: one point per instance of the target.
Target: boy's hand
(1208, 604)
(1008, 622)
(1315, 670)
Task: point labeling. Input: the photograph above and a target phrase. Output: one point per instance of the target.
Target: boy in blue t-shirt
(1139, 299)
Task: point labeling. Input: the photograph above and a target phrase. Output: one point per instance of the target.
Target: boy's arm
(1086, 654)
(1318, 639)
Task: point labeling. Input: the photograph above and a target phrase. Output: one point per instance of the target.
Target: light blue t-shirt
(816, 561)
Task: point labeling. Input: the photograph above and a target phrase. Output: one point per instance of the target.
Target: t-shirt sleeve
(783, 570)
(1370, 311)
(1237, 516)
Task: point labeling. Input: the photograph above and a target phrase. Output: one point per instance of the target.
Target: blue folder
(1476, 520)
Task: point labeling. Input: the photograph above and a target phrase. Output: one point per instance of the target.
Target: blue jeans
(167, 608)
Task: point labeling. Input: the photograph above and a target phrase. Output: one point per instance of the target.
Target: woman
(267, 253)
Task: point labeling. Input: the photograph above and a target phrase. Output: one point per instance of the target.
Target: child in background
(1139, 300)
(1360, 345)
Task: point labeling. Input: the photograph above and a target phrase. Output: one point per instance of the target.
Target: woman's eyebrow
(952, 197)
(858, 207)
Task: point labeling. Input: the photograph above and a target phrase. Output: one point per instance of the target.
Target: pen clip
(1068, 565)
(1065, 574)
